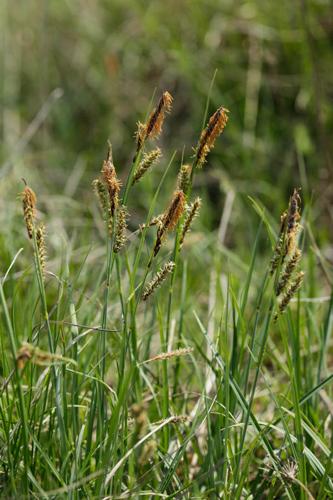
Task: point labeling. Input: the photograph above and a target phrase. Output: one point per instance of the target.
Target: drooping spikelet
(29, 209)
(192, 212)
(279, 251)
(170, 354)
(293, 221)
(290, 292)
(288, 271)
(158, 279)
(153, 127)
(170, 218)
(215, 127)
(28, 352)
(41, 247)
(149, 159)
(121, 226)
(184, 177)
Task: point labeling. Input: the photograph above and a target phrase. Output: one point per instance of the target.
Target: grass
(200, 391)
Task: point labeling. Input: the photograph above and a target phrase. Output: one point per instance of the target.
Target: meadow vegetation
(166, 263)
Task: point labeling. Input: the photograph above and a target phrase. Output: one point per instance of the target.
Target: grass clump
(205, 390)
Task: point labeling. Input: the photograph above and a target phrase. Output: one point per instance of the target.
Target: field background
(75, 74)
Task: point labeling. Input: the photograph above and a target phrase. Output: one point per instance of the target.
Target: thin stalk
(55, 372)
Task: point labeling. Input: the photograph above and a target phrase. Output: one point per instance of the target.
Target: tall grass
(166, 367)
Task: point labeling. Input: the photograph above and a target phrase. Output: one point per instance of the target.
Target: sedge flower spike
(215, 127)
(154, 125)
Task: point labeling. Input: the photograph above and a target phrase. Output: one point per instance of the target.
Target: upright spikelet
(41, 247)
(293, 220)
(102, 195)
(29, 209)
(111, 182)
(121, 226)
(149, 159)
(215, 127)
(153, 127)
(288, 271)
(107, 188)
(279, 251)
(184, 177)
(287, 255)
(158, 279)
(192, 212)
(170, 218)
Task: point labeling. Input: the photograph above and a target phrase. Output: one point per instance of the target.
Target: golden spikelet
(192, 212)
(184, 177)
(102, 194)
(158, 279)
(287, 255)
(170, 218)
(112, 184)
(29, 209)
(279, 252)
(121, 226)
(149, 159)
(171, 354)
(215, 127)
(41, 247)
(153, 127)
(293, 220)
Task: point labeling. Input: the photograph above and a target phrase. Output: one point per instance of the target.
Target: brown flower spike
(170, 218)
(215, 127)
(153, 127)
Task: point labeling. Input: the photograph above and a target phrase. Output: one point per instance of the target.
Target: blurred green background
(106, 58)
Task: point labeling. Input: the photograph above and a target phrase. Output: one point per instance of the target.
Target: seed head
(288, 271)
(291, 291)
(215, 127)
(158, 279)
(41, 247)
(153, 127)
(29, 209)
(192, 212)
(111, 182)
(170, 218)
(171, 354)
(279, 251)
(28, 352)
(293, 220)
(184, 177)
(121, 226)
(149, 159)
(102, 194)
